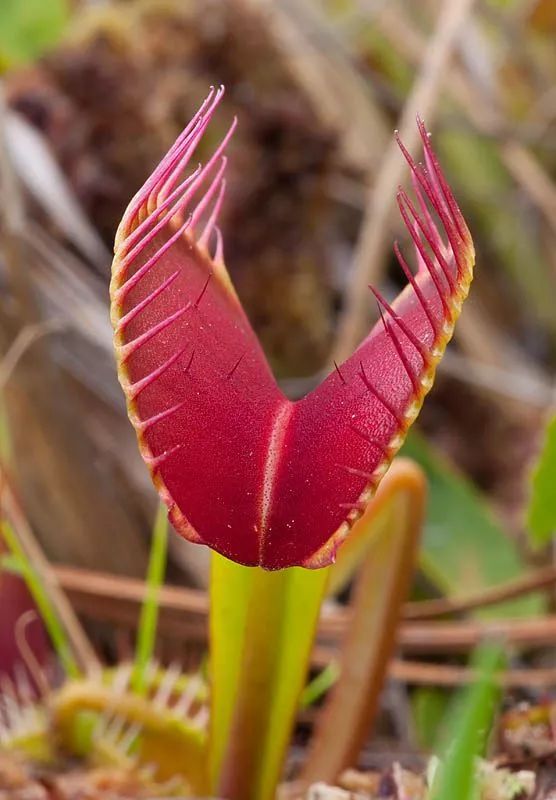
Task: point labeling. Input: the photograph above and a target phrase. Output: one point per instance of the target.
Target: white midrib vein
(272, 461)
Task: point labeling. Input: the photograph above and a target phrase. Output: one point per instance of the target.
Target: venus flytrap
(270, 484)
(139, 717)
(261, 479)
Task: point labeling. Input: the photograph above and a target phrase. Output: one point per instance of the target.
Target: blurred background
(92, 95)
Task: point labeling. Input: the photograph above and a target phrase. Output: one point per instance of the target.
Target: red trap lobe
(259, 478)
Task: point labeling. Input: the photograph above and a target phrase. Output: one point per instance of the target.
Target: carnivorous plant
(258, 478)
(264, 481)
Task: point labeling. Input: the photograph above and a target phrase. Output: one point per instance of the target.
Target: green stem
(262, 630)
(320, 685)
(146, 632)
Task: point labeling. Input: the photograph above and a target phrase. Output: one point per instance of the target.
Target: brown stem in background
(426, 609)
(417, 673)
(447, 637)
(183, 613)
(374, 235)
(381, 587)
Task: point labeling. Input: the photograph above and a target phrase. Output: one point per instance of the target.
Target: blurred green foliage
(541, 515)
(478, 173)
(464, 548)
(28, 28)
(428, 706)
(471, 718)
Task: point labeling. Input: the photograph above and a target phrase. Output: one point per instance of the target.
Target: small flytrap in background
(267, 482)
(136, 729)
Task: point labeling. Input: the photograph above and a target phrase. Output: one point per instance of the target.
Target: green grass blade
(320, 685)
(50, 618)
(146, 632)
(13, 564)
(5, 435)
(464, 549)
(428, 705)
(541, 514)
(471, 718)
